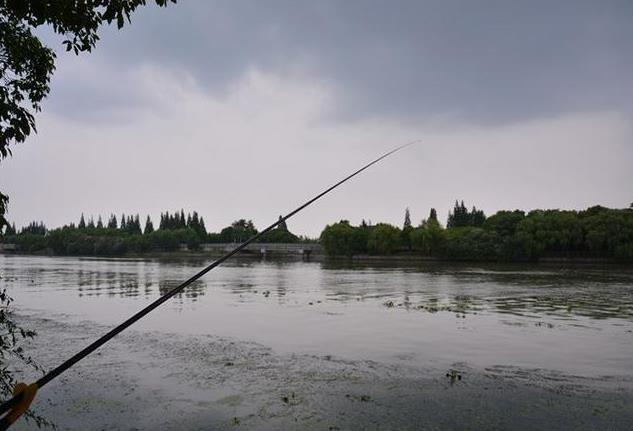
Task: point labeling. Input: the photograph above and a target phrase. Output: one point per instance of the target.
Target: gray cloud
(220, 107)
(487, 62)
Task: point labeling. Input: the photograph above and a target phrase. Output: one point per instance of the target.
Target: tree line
(121, 235)
(596, 232)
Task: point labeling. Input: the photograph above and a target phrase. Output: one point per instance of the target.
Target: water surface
(518, 322)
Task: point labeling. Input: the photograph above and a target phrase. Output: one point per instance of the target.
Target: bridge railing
(266, 247)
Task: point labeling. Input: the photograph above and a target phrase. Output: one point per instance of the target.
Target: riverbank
(156, 380)
(408, 259)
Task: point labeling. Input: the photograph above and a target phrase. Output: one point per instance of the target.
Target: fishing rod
(24, 394)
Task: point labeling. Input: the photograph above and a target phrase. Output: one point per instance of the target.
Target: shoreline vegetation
(597, 234)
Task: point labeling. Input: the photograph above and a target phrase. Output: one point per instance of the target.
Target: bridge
(305, 250)
(265, 249)
(7, 248)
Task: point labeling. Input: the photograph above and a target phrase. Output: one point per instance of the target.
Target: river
(302, 345)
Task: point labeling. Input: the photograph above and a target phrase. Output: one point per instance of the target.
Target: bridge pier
(305, 254)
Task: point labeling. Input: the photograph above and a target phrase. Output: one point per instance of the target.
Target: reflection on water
(565, 293)
(597, 293)
(564, 318)
(191, 292)
(564, 305)
(602, 305)
(101, 277)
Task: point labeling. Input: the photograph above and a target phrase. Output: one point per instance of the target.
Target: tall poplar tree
(149, 227)
(112, 222)
(407, 219)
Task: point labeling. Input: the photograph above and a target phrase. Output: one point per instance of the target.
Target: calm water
(577, 321)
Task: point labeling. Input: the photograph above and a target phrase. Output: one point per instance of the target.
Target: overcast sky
(244, 109)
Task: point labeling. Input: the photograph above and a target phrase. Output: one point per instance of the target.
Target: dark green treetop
(4, 202)
(149, 226)
(383, 239)
(34, 228)
(282, 225)
(240, 230)
(112, 223)
(406, 229)
(461, 217)
(10, 229)
(407, 219)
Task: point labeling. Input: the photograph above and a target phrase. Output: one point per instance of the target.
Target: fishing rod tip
(408, 144)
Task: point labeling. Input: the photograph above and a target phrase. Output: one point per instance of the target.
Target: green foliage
(551, 233)
(239, 231)
(214, 238)
(504, 223)
(101, 246)
(384, 239)
(12, 336)
(4, 203)
(597, 232)
(405, 234)
(428, 238)
(163, 239)
(343, 239)
(461, 217)
(97, 240)
(149, 226)
(282, 224)
(131, 225)
(608, 232)
(10, 230)
(29, 242)
(196, 223)
(405, 237)
(26, 66)
(470, 243)
(112, 222)
(34, 228)
(279, 236)
(360, 239)
(175, 230)
(173, 221)
(407, 219)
